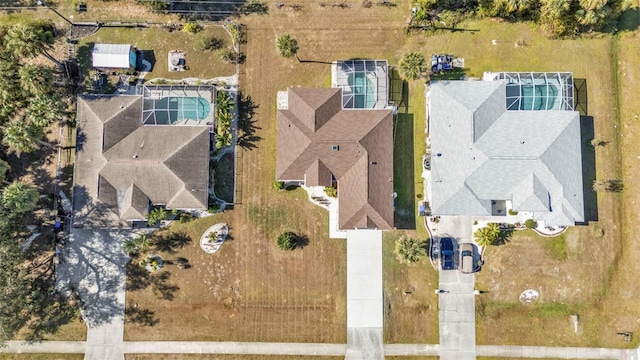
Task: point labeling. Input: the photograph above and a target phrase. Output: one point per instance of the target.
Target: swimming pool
(363, 90)
(181, 108)
(538, 97)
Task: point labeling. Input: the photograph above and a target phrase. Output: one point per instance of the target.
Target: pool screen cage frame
(377, 71)
(520, 83)
(152, 114)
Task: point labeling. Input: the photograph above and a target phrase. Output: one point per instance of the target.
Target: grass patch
(557, 247)
(223, 178)
(408, 294)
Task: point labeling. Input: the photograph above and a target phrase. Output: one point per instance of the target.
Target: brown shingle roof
(121, 165)
(363, 164)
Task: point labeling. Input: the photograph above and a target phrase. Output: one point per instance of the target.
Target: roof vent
(335, 147)
(135, 156)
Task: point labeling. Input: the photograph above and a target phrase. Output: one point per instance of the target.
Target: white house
(113, 56)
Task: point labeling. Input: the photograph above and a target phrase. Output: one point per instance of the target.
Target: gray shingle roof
(363, 163)
(482, 152)
(121, 165)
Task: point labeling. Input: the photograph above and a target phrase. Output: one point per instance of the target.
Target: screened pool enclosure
(177, 105)
(364, 83)
(537, 91)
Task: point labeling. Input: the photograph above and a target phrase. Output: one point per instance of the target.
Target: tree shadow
(144, 317)
(83, 56)
(173, 241)
(246, 124)
(254, 7)
(628, 20)
(301, 241)
(504, 237)
(139, 278)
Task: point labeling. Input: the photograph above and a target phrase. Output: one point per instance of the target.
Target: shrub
(213, 208)
(287, 240)
(512, 212)
(410, 250)
(192, 28)
(331, 191)
(210, 43)
(185, 218)
(278, 185)
(226, 55)
(530, 224)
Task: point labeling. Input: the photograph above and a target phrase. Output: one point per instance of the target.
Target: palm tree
(410, 250)
(44, 109)
(487, 235)
(19, 197)
(21, 136)
(287, 46)
(130, 246)
(143, 242)
(36, 79)
(29, 41)
(412, 65)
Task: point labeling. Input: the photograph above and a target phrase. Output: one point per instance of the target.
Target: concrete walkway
(93, 263)
(185, 347)
(364, 295)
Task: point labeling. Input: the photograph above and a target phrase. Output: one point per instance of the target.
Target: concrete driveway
(93, 263)
(456, 306)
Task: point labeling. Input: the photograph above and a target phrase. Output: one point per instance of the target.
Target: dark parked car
(446, 254)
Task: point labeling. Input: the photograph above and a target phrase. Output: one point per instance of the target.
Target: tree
(20, 197)
(130, 246)
(287, 46)
(143, 242)
(36, 79)
(409, 250)
(287, 240)
(29, 41)
(21, 136)
(487, 235)
(157, 214)
(412, 65)
(44, 109)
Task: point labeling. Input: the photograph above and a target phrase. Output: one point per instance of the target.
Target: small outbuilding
(113, 56)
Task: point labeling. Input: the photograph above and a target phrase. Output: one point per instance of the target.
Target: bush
(530, 224)
(410, 250)
(226, 55)
(512, 212)
(213, 208)
(156, 215)
(287, 240)
(210, 43)
(331, 191)
(185, 218)
(192, 28)
(278, 185)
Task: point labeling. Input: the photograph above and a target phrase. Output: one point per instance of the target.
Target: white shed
(113, 56)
